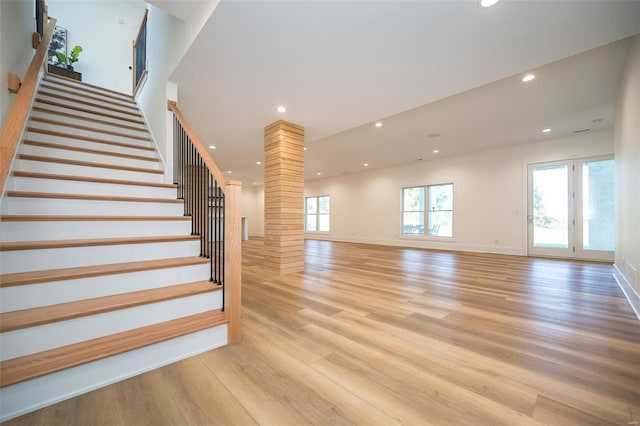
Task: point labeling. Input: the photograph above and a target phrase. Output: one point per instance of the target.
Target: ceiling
(423, 68)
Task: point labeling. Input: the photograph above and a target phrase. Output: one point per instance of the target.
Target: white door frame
(575, 220)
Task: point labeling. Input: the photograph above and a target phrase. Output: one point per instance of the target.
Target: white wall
(253, 209)
(107, 43)
(489, 195)
(627, 154)
(16, 26)
(168, 39)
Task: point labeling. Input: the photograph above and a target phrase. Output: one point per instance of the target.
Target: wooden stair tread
(88, 164)
(77, 108)
(62, 196)
(109, 100)
(50, 275)
(59, 79)
(33, 317)
(89, 119)
(36, 175)
(90, 218)
(88, 139)
(90, 151)
(92, 242)
(123, 110)
(89, 129)
(36, 365)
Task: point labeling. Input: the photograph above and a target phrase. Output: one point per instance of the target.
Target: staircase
(100, 277)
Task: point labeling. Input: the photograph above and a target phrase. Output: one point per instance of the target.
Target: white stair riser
(51, 293)
(66, 230)
(86, 133)
(29, 396)
(88, 96)
(38, 260)
(142, 131)
(82, 87)
(91, 158)
(79, 187)
(93, 108)
(97, 172)
(49, 206)
(78, 143)
(49, 336)
(90, 115)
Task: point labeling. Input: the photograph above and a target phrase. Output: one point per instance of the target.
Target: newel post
(233, 260)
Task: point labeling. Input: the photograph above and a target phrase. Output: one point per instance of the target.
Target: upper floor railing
(140, 55)
(214, 207)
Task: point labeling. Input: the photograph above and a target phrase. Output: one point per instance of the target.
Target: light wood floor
(372, 335)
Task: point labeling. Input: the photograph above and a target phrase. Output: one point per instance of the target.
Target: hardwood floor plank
(550, 411)
(431, 393)
(422, 337)
(243, 377)
(192, 386)
(146, 401)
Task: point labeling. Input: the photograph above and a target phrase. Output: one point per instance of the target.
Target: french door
(571, 208)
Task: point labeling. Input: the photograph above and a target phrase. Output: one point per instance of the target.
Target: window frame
(317, 214)
(427, 208)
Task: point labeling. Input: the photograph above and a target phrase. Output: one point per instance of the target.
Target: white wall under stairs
(90, 238)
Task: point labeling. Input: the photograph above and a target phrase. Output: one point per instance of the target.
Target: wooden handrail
(17, 117)
(193, 187)
(204, 153)
(142, 24)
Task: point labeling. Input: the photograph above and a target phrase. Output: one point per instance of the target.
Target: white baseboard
(423, 244)
(632, 296)
(32, 395)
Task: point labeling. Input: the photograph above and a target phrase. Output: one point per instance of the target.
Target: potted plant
(68, 61)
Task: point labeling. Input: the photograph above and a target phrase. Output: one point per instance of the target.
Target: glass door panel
(550, 209)
(596, 211)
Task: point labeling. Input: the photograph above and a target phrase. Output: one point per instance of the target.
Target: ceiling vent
(581, 131)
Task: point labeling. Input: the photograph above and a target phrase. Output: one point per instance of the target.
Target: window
(413, 211)
(316, 214)
(436, 210)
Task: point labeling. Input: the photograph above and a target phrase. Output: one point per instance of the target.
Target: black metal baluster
(211, 213)
(200, 204)
(217, 233)
(222, 223)
(175, 150)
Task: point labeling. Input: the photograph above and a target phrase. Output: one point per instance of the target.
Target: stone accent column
(284, 197)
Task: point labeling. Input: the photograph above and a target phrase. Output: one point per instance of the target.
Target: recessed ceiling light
(258, 162)
(488, 3)
(281, 109)
(378, 124)
(528, 77)
(212, 147)
(435, 151)
(255, 183)
(366, 164)
(229, 171)
(546, 130)
(318, 173)
(305, 148)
